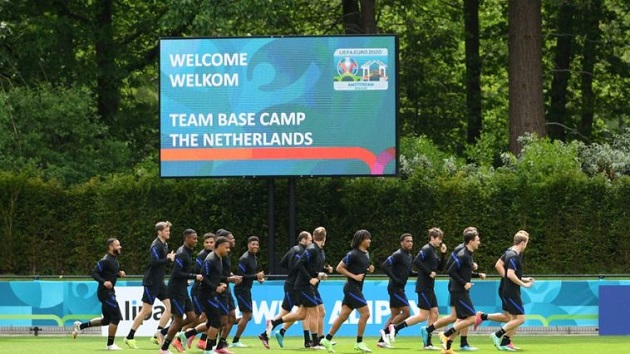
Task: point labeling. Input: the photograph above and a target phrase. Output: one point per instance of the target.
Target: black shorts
(180, 305)
(109, 307)
(318, 297)
(397, 298)
(152, 292)
(244, 300)
(211, 305)
(427, 300)
(197, 304)
(229, 299)
(308, 298)
(291, 298)
(353, 298)
(463, 305)
(514, 304)
(224, 303)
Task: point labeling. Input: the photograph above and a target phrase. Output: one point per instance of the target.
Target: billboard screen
(278, 106)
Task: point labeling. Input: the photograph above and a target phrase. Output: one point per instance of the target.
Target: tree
(473, 70)
(592, 34)
(564, 37)
(359, 16)
(526, 104)
(55, 133)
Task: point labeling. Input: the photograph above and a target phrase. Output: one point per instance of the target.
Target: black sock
(484, 316)
(277, 322)
(449, 343)
(222, 343)
(400, 326)
(307, 336)
(110, 340)
(464, 341)
(131, 334)
(359, 339)
(429, 340)
(167, 343)
(191, 332)
(236, 339)
(85, 325)
(430, 328)
(329, 336)
(505, 341)
(386, 330)
(159, 329)
(211, 343)
(164, 331)
(314, 339)
(204, 335)
(282, 331)
(499, 333)
(450, 332)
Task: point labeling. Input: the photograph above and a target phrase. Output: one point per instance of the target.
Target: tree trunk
(352, 17)
(558, 106)
(473, 70)
(368, 16)
(359, 19)
(107, 83)
(526, 106)
(592, 12)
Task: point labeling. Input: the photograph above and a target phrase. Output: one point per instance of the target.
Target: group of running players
(210, 308)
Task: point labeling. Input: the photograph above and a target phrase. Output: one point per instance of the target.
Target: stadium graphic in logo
(361, 69)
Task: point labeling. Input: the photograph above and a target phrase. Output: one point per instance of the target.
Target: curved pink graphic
(375, 163)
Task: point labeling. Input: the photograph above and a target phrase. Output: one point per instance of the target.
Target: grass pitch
(574, 344)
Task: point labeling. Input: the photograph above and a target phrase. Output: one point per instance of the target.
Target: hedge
(578, 224)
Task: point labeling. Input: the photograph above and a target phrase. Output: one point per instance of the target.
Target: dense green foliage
(578, 222)
(79, 134)
(98, 60)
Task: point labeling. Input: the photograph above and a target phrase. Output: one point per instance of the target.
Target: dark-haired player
(106, 272)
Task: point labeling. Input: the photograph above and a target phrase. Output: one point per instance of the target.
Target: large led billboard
(278, 106)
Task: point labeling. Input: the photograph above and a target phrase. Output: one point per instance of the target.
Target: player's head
(521, 238)
(190, 238)
(222, 246)
(471, 237)
(435, 236)
(113, 246)
(319, 236)
(406, 241)
(253, 244)
(305, 238)
(163, 229)
(227, 234)
(208, 241)
(361, 239)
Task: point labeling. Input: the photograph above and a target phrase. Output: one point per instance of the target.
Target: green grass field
(530, 344)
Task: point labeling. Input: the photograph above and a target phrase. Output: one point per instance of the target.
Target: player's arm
(97, 272)
(388, 268)
(155, 257)
(421, 262)
(246, 268)
(179, 266)
(453, 270)
(342, 268)
(209, 267)
(500, 267)
(512, 266)
(302, 262)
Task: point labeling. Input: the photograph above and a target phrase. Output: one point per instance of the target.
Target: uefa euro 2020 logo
(359, 69)
(347, 68)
